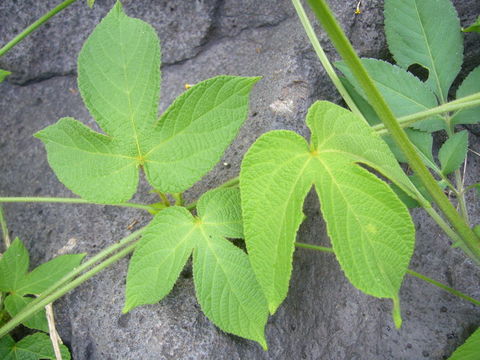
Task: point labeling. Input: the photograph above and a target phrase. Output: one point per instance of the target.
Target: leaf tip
(263, 343)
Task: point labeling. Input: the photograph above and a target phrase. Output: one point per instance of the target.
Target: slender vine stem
(410, 272)
(470, 242)
(323, 57)
(38, 305)
(70, 201)
(35, 26)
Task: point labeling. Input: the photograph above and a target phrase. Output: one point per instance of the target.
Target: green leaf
(226, 287)
(474, 27)
(415, 36)
(13, 266)
(469, 350)
(423, 141)
(33, 347)
(45, 275)
(371, 231)
(119, 79)
(160, 257)
(15, 303)
(365, 108)
(3, 74)
(453, 152)
(404, 93)
(90, 3)
(470, 86)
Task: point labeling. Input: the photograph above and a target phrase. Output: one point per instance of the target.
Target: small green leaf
(415, 37)
(453, 152)
(90, 3)
(15, 303)
(474, 27)
(404, 93)
(13, 266)
(469, 86)
(226, 287)
(45, 275)
(160, 257)
(371, 230)
(3, 74)
(470, 349)
(119, 79)
(33, 347)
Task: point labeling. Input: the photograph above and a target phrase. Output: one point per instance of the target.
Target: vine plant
(369, 225)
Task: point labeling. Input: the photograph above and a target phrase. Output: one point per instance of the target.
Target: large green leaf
(119, 79)
(226, 287)
(33, 347)
(470, 350)
(470, 86)
(404, 93)
(415, 36)
(13, 266)
(453, 152)
(371, 230)
(15, 303)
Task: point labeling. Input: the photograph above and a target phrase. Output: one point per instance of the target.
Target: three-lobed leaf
(370, 229)
(119, 79)
(415, 37)
(33, 347)
(225, 284)
(470, 349)
(453, 152)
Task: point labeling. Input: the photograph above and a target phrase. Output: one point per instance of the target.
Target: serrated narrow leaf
(195, 130)
(33, 347)
(404, 93)
(415, 37)
(453, 152)
(469, 86)
(227, 289)
(3, 74)
(160, 257)
(470, 350)
(45, 275)
(13, 266)
(371, 230)
(119, 79)
(15, 303)
(474, 27)
(221, 212)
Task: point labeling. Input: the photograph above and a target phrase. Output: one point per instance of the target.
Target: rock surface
(324, 317)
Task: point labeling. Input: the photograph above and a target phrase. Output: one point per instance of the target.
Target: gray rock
(324, 317)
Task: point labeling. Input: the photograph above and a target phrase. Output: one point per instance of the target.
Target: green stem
(178, 199)
(35, 25)
(459, 104)
(470, 242)
(69, 201)
(3, 224)
(323, 57)
(33, 308)
(444, 287)
(410, 272)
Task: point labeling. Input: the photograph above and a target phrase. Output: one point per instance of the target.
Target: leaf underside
(370, 229)
(119, 80)
(225, 284)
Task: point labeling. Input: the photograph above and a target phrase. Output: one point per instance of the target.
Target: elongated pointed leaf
(3, 74)
(415, 37)
(33, 347)
(119, 79)
(470, 350)
(13, 266)
(371, 231)
(453, 151)
(226, 287)
(470, 86)
(15, 303)
(160, 257)
(474, 27)
(404, 93)
(45, 275)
